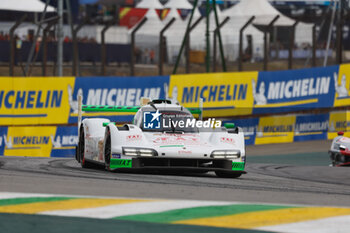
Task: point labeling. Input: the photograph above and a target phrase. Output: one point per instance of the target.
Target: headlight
(139, 152)
(342, 147)
(226, 154)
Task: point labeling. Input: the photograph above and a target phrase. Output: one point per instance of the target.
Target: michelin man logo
(341, 90)
(56, 143)
(8, 143)
(64, 140)
(74, 103)
(259, 97)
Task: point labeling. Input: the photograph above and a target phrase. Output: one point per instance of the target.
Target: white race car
(159, 139)
(340, 151)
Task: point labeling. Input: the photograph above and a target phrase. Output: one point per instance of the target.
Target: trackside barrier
(37, 101)
(50, 101)
(38, 141)
(251, 93)
(60, 141)
(28, 105)
(294, 127)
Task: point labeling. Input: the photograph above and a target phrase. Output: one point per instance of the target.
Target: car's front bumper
(339, 158)
(180, 164)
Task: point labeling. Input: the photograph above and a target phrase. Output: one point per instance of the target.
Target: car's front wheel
(107, 149)
(227, 174)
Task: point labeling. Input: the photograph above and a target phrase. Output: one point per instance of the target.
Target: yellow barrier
(223, 94)
(34, 101)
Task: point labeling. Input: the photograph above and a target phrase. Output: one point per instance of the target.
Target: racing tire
(81, 151)
(77, 157)
(224, 174)
(107, 149)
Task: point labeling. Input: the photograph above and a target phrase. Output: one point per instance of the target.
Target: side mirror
(230, 125)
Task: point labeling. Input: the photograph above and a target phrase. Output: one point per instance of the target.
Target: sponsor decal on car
(176, 139)
(238, 166)
(121, 163)
(185, 152)
(134, 137)
(227, 140)
(116, 156)
(344, 139)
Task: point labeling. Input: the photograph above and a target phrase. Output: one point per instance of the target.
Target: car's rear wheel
(81, 150)
(107, 149)
(227, 174)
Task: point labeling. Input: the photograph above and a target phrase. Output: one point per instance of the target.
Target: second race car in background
(340, 151)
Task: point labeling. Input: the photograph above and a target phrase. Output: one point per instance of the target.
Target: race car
(340, 151)
(159, 139)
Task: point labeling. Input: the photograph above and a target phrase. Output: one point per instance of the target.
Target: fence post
(266, 50)
(132, 58)
(161, 45)
(217, 29)
(240, 58)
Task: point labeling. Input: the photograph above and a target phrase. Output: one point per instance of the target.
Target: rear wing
(131, 109)
(106, 108)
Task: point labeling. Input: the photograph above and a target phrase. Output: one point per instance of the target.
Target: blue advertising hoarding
(249, 127)
(311, 127)
(116, 91)
(64, 142)
(289, 91)
(3, 139)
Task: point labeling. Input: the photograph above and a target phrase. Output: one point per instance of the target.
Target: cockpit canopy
(165, 117)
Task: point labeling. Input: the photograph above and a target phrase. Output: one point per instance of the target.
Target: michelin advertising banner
(342, 86)
(251, 93)
(293, 128)
(38, 141)
(34, 101)
(290, 91)
(223, 94)
(46, 101)
(339, 121)
(52, 101)
(124, 91)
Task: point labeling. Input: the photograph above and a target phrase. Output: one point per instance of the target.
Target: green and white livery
(163, 136)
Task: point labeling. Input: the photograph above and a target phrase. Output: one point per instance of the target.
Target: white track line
(133, 208)
(8, 195)
(325, 225)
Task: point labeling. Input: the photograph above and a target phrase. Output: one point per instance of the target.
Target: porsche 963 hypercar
(162, 136)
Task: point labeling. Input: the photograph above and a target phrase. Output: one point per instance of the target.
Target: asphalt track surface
(296, 173)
